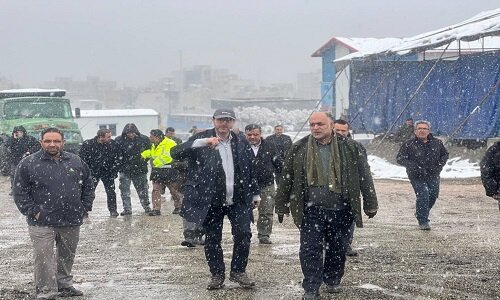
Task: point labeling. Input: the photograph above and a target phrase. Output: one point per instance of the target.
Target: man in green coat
(320, 186)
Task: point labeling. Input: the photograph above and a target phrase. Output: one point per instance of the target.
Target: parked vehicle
(35, 110)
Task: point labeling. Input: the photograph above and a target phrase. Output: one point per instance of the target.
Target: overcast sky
(134, 42)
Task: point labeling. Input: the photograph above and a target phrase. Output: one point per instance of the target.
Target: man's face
(52, 143)
(223, 125)
(154, 139)
(18, 134)
(170, 133)
(409, 122)
(321, 126)
(253, 136)
(104, 139)
(278, 130)
(342, 129)
(131, 135)
(422, 131)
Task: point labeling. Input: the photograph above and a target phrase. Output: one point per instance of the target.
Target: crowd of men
(323, 180)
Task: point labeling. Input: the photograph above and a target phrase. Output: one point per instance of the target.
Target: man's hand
(255, 201)
(280, 218)
(213, 142)
(371, 213)
(37, 216)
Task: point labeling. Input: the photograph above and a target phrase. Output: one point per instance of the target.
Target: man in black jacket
(280, 141)
(19, 145)
(220, 181)
(102, 155)
(53, 189)
(423, 157)
(490, 172)
(133, 168)
(267, 164)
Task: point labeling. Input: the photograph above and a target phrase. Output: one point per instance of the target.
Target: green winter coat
(293, 190)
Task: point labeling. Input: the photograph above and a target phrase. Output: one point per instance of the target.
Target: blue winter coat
(205, 180)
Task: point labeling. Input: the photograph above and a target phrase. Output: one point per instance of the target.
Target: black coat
(61, 191)
(490, 170)
(281, 143)
(131, 162)
(267, 164)
(423, 160)
(102, 159)
(205, 178)
(17, 148)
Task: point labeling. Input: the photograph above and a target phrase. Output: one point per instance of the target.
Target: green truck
(36, 109)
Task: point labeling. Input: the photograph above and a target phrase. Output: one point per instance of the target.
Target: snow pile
(455, 168)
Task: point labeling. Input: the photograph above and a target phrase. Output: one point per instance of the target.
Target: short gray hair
(423, 122)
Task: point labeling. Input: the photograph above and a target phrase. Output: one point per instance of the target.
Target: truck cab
(37, 109)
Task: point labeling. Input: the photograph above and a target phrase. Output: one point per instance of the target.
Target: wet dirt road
(140, 257)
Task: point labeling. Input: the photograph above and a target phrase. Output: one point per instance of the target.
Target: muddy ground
(140, 257)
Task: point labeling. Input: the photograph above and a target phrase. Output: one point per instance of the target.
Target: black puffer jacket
(131, 162)
(423, 160)
(490, 170)
(17, 148)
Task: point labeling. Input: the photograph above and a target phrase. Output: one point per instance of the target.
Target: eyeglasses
(224, 120)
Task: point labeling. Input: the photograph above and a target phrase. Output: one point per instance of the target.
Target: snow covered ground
(455, 168)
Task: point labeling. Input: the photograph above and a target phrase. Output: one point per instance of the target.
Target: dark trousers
(427, 191)
(109, 186)
(323, 230)
(239, 215)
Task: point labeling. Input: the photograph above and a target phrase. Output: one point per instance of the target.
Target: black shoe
(147, 210)
(69, 292)
(242, 279)
(265, 240)
(188, 243)
(351, 252)
(113, 213)
(154, 212)
(176, 211)
(332, 289)
(126, 213)
(424, 226)
(216, 282)
(311, 295)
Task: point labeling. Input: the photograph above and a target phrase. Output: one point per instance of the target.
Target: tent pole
(485, 97)
(413, 96)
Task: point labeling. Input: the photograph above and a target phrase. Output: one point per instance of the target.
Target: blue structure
(454, 90)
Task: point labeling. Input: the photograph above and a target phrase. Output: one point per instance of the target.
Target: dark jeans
(240, 218)
(141, 186)
(323, 230)
(427, 191)
(109, 186)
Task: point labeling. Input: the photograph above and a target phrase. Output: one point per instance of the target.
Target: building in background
(115, 119)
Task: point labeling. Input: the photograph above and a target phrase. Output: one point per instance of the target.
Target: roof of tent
(482, 25)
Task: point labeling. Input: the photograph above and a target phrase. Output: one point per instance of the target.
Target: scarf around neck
(315, 176)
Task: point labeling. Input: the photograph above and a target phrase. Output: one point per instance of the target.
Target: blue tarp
(452, 91)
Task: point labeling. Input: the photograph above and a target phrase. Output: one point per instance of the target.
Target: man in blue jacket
(53, 189)
(220, 181)
(423, 157)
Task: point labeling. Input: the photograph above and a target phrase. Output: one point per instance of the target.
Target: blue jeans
(328, 230)
(427, 191)
(239, 214)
